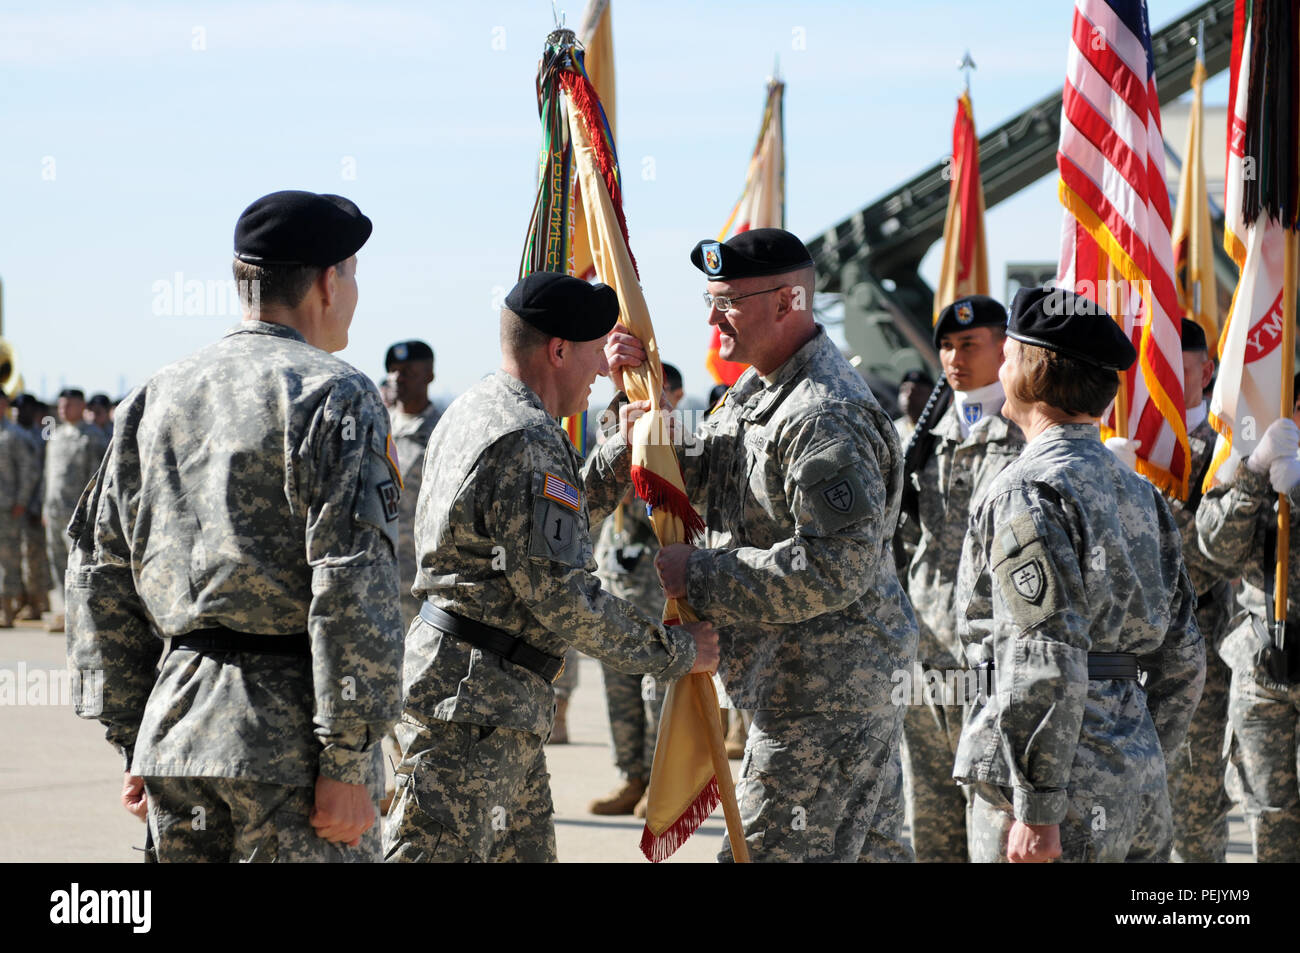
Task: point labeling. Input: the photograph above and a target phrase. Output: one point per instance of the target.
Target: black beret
(407, 351)
(300, 228)
(1070, 324)
(759, 251)
(23, 400)
(73, 393)
(1194, 337)
(972, 311)
(916, 377)
(99, 400)
(563, 306)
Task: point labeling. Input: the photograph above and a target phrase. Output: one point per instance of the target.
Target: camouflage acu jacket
(19, 467)
(626, 566)
(411, 436)
(803, 470)
(1233, 523)
(1205, 572)
(249, 486)
(501, 529)
(954, 476)
(71, 458)
(1070, 552)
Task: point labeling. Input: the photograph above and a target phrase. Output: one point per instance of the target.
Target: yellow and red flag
(964, 269)
(685, 784)
(1116, 247)
(761, 205)
(1254, 369)
(1193, 248)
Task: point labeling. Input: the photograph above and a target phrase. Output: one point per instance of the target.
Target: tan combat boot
(622, 800)
(55, 624)
(642, 805)
(560, 730)
(8, 612)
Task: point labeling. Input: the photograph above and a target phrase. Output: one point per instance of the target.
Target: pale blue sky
(127, 153)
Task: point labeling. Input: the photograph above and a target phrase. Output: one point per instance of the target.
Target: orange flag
(685, 785)
(761, 205)
(965, 266)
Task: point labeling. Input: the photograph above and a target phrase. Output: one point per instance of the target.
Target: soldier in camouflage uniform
(1237, 525)
(1072, 577)
(1199, 802)
(506, 564)
(409, 364)
(36, 563)
(247, 513)
(626, 568)
(18, 477)
(972, 444)
(625, 555)
(803, 468)
(71, 459)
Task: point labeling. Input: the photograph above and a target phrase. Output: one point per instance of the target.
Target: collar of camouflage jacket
(529, 396)
(1066, 432)
(992, 428)
(266, 327)
(773, 387)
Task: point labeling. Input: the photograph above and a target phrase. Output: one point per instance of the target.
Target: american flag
(1111, 160)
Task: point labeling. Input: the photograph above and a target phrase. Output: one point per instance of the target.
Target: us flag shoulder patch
(553, 488)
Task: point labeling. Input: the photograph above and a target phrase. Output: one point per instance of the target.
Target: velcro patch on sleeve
(1024, 571)
(380, 492)
(560, 491)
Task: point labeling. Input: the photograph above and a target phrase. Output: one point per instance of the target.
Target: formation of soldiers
(270, 596)
(45, 463)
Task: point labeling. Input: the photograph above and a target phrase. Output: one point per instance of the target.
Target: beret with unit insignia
(563, 306)
(407, 351)
(1070, 324)
(751, 254)
(1194, 337)
(971, 311)
(300, 228)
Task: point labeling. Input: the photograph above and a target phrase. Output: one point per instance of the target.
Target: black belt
(1101, 665)
(488, 639)
(228, 640)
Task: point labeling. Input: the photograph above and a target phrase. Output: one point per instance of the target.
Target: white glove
(1125, 450)
(1281, 439)
(1284, 473)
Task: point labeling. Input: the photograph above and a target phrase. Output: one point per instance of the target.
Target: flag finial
(559, 17)
(1200, 42)
(966, 65)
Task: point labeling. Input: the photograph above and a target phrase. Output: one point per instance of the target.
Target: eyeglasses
(724, 302)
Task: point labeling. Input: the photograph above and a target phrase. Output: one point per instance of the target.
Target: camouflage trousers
(36, 565)
(11, 556)
(56, 551)
(1264, 746)
(936, 803)
(1130, 828)
(228, 820)
(567, 683)
(811, 782)
(884, 843)
(1197, 797)
(470, 793)
(634, 703)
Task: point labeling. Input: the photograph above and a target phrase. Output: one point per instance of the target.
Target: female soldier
(1072, 581)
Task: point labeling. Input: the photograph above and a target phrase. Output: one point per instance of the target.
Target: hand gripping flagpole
(567, 97)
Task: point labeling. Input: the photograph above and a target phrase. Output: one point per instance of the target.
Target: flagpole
(704, 700)
(1291, 260)
(1121, 395)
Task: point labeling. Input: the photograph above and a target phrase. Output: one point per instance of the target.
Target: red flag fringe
(660, 848)
(659, 493)
(587, 102)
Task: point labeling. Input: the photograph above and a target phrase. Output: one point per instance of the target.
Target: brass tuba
(11, 379)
